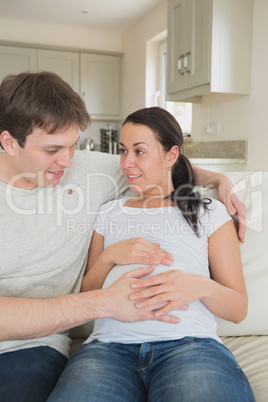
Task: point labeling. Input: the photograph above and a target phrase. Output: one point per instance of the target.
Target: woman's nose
(129, 160)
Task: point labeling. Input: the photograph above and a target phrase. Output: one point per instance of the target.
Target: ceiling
(110, 15)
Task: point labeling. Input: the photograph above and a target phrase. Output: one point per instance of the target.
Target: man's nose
(65, 159)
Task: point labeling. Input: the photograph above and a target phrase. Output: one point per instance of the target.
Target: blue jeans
(190, 369)
(29, 375)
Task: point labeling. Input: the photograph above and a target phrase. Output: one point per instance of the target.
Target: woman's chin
(135, 188)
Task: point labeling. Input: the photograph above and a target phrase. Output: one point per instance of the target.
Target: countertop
(216, 152)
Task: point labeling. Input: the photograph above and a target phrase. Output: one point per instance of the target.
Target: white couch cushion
(253, 189)
(251, 352)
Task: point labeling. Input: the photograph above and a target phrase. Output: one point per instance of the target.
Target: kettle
(89, 144)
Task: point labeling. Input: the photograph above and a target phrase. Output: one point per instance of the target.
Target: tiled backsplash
(216, 150)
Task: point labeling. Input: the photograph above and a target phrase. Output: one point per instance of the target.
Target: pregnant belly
(117, 271)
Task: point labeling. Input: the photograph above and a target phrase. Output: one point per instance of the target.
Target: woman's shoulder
(215, 212)
(112, 205)
(214, 204)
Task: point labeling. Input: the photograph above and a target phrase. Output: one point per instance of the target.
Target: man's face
(44, 158)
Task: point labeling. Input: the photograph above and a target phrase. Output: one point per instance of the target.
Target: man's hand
(120, 307)
(235, 206)
(227, 195)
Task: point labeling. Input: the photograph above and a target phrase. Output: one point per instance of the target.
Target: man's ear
(173, 155)
(8, 142)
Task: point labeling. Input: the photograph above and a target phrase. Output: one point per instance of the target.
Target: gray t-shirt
(45, 234)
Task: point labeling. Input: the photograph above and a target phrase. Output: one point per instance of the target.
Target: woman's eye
(122, 151)
(139, 152)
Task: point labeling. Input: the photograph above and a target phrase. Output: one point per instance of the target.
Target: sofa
(248, 340)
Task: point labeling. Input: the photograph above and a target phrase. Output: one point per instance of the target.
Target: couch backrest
(253, 189)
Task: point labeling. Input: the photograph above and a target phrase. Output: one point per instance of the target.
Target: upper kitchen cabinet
(96, 77)
(100, 85)
(14, 60)
(209, 48)
(63, 63)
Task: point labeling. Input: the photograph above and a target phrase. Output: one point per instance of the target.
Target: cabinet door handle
(180, 64)
(186, 62)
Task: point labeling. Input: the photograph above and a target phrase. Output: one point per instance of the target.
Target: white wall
(240, 117)
(56, 35)
(134, 60)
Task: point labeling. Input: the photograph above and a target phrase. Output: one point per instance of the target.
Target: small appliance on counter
(108, 140)
(89, 144)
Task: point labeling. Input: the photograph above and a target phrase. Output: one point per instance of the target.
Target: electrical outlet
(213, 128)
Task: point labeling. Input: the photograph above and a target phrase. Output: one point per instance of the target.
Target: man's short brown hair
(39, 100)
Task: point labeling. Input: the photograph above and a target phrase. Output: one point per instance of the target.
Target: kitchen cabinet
(63, 63)
(209, 48)
(15, 59)
(95, 76)
(100, 85)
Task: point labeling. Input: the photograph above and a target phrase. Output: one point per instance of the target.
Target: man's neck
(8, 174)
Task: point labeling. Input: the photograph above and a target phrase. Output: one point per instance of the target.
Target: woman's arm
(132, 251)
(224, 294)
(97, 269)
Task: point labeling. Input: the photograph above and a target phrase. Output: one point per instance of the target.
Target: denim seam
(152, 356)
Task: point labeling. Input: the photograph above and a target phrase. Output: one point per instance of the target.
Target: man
(49, 195)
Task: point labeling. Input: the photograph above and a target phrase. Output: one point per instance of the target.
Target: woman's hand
(175, 287)
(120, 306)
(136, 251)
(132, 251)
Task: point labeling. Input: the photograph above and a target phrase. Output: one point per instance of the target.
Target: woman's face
(144, 162)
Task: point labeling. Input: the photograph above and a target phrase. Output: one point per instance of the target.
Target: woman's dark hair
(39, 100)
(168, 133)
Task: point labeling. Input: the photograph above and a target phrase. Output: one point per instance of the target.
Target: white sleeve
(102, 217)
(214, 217)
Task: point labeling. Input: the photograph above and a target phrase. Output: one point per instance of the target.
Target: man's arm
(227, 196)
(26, 318)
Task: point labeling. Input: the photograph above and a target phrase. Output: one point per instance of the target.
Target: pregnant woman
(200, 275)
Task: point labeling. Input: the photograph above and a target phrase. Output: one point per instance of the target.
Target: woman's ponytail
(184, 196)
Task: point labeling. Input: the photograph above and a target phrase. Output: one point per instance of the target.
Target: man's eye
(52, 151)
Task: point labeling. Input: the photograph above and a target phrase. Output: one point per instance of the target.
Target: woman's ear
(8, 142)
(172, 155)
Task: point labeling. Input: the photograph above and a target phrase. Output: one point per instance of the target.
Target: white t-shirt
(45, 234)
(168, 227)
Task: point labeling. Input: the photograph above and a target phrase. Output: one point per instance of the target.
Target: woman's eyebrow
(135, 144)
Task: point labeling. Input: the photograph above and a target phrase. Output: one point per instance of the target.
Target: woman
(156, 361)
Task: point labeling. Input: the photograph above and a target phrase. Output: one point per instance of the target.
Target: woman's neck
(148, 202)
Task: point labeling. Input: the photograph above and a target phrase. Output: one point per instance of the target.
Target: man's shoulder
(85, 161)
(95, 160)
